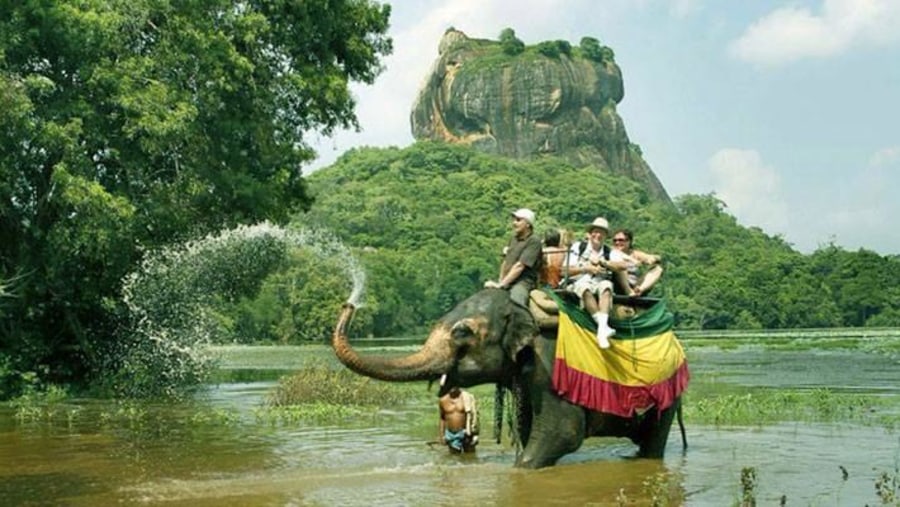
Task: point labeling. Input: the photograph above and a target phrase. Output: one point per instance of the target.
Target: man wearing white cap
(522, 261)
(592, 264)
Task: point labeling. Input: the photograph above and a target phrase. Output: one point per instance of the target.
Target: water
(171, 294)
(173, 455)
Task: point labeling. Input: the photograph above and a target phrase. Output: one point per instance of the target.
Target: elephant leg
(653, 432)
(558, 428)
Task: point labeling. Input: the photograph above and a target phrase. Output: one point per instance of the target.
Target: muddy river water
(215, 451)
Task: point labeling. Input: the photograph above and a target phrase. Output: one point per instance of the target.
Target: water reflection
(186, 455)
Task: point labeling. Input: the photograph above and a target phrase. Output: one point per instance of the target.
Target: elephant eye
(461, 331)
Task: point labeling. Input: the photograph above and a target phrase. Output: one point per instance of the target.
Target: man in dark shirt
(522, 260)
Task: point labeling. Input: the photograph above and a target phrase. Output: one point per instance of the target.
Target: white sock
(603, 329)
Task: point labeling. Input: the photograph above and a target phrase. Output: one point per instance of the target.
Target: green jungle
(131, 132)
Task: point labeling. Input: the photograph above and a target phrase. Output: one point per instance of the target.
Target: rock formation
(529, 104)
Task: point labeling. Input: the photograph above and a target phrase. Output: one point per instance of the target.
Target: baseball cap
(525, 214)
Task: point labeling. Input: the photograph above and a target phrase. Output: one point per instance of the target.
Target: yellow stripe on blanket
(633, 362)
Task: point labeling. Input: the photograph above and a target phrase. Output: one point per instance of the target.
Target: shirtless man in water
(459, 421)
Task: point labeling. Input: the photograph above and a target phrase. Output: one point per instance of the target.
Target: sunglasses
(620, 240)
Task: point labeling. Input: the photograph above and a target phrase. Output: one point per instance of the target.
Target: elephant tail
(681, 427)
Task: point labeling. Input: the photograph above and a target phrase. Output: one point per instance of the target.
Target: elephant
(487, 338)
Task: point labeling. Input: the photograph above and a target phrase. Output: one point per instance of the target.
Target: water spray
(169, 294)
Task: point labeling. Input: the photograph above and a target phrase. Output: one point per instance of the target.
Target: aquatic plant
(322, 393)
(764, 406)
(748, 487)
(315, 411)
(887, 487)
(321, 384)
(38, 401)
(662, 489)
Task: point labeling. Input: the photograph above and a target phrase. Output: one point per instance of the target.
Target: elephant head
(477, 342)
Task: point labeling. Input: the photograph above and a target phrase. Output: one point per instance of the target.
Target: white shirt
(591, 256)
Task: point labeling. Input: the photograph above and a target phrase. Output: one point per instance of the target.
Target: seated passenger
(639, 284)
(592, 265)
(554, 258)
(521, 261)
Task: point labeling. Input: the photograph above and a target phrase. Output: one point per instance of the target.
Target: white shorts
(594, 284)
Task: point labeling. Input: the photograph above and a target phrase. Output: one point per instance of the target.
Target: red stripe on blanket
(590, 392)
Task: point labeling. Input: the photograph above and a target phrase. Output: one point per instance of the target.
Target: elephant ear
(521, 330)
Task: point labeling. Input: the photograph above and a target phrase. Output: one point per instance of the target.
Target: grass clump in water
(320, 392)
(887, 486)
(772, 406)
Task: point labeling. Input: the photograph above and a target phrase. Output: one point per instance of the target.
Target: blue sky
(789, 111)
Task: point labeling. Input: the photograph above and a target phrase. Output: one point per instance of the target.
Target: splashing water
(169, 295)
(319, 241)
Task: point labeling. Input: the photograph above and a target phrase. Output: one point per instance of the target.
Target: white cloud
(866, 206)
(857, 212)
(788, 34)
(885, 156)
(750, 189)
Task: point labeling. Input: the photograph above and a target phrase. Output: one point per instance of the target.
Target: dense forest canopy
(128, 125)
(429, 222)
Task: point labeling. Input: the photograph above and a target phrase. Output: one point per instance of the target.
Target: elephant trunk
(428, 363)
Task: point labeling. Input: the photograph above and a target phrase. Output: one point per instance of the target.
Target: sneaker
(603, 334)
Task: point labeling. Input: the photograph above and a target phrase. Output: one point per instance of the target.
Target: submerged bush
(320, 384)
(771, 406)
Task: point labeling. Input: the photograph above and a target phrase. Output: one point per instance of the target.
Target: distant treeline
(428, 222)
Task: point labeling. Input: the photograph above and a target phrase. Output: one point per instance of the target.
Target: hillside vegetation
(428, 222)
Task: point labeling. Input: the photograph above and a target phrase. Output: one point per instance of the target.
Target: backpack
(582, 246)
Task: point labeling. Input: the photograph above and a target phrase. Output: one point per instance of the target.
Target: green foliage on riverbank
(129, 126)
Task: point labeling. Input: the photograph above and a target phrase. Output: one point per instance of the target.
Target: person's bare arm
(504, 269)
(645, 258)
(614, 266)
(441, 424)
(512, 275)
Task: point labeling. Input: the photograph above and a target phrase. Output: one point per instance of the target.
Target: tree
(564, 47)
(549, 48)
(591, 49)
(128, 125)
(510, 43)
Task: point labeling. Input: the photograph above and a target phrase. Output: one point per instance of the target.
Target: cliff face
(527, 105)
